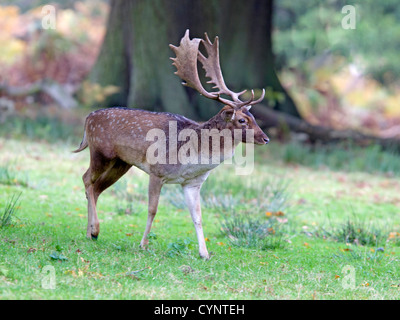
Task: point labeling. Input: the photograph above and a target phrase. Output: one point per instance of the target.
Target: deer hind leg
(155, 185)
(101, 174)
(192, 197)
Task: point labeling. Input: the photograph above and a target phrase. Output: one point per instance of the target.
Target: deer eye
(242, 121)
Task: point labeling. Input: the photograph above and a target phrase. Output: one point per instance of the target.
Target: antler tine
(207, 39)
(251, 101)
(211, 65)
(259, 99)
(248, 102)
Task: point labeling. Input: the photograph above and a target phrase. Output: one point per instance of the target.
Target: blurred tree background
(108, 53)
(342, 78)
(135, 53)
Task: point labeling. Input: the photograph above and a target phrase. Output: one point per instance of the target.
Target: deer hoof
(91, 236)
(144, 244)
(205, 256)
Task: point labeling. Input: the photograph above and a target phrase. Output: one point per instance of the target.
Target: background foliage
(341, 77)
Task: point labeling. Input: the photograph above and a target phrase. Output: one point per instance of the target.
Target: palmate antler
(187, 55)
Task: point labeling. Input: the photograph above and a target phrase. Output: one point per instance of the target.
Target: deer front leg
(192, 197)
(155, 185)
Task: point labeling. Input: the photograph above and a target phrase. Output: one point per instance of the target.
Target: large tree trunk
(135, 53)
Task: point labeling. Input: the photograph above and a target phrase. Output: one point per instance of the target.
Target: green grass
(344, 156)
(249, 231)
(357, 232)
(8, 213)
(41, 127)
(11, 176)
(316, 212)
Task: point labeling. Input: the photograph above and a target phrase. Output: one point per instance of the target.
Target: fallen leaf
(85, 261)
(393, 235)
(72, 272)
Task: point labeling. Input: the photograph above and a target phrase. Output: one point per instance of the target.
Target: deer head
(235, 114)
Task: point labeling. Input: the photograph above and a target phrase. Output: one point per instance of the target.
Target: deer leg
(110, 176)
(89, 178)
(95, 184)
(192, 197)
(155, 185)
(93, 227)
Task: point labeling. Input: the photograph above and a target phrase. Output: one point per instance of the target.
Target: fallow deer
(118, 139)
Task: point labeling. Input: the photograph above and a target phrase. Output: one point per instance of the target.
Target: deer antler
(213, 70)
(187, 55)
(186, 64)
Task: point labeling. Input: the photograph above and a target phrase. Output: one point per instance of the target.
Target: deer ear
(228, 115)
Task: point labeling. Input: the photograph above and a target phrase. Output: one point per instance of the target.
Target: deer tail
(84, 144)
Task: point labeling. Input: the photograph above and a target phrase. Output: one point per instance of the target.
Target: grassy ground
(287, 231)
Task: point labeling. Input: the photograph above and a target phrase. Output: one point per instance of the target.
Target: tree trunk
(113, 63)
(135, 53)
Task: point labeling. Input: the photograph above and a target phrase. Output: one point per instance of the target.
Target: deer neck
(218, 134)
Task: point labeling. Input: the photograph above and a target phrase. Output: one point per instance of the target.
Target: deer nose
(266, 140)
